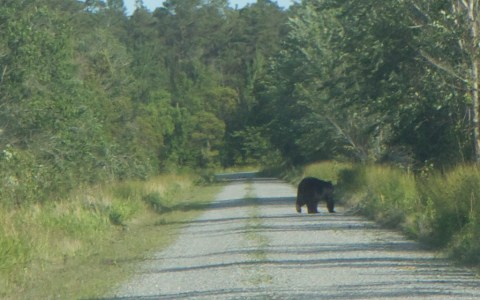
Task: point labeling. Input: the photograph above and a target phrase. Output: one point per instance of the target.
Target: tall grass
(41, 238)
(440, 209)
(452, 203)
(388, 195)
(327, 170)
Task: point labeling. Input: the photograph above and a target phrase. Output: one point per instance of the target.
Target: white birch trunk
(473, 23)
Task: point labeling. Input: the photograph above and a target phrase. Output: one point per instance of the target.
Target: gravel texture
(251, 244)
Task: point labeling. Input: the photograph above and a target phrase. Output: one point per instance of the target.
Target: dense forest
(89, 94)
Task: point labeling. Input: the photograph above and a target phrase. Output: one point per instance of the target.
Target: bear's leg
(298, 207)
(330, 206)
(300, 198)
(312, 208)
(300, 202)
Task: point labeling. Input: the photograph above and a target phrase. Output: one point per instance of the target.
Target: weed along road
(251, 244)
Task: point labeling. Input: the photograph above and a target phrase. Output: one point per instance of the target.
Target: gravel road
(251, 244)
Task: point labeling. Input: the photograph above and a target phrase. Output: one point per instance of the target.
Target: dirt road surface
(251, 244)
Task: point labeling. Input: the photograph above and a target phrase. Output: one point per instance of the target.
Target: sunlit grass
(439, 209)
(327, 170)
(81, 246)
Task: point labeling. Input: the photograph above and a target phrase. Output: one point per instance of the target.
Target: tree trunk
(464, 10)
(472, 9)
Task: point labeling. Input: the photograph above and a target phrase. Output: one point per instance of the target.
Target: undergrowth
(40, 243)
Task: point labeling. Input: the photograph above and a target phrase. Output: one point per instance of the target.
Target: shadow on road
(418, 274)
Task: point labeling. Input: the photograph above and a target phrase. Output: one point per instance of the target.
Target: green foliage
(47, 123)
(255, 148)
(14, 250)
(206, 136)
(360, 80)
(464, 246)
(328, 170)
(154, 200)
(388, 195)
(452, 197)
(71, 220)
(128, 190)
(89, 95)
(126, 202)
(391, 195)
(122, 211)
(47, 247)
(352, 179)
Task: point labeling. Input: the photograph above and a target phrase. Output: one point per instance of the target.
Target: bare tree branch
(442, 66)
(360, 150)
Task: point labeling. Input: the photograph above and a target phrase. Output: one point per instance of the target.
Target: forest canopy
(89, 94)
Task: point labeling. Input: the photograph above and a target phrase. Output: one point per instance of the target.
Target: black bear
(310, 191)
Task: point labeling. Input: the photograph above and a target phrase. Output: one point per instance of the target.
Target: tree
(447, 46)
(46, 119)
(298, 98)
(206, 138)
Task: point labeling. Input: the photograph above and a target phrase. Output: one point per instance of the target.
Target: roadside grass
(439, 209)
(82, 246)
(452, 212)
(327, 170)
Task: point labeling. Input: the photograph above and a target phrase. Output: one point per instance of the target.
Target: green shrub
(206, 176)
(123, 210)
(156, 201)
(328, 170)
(285, 171)
(465, 245)
(390, 194)
(352, 179)
(452, 202)
(23, 179)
